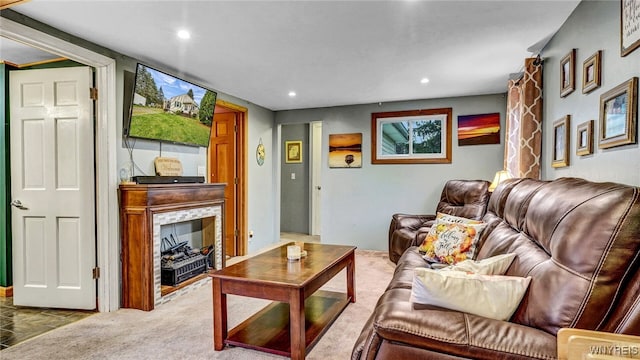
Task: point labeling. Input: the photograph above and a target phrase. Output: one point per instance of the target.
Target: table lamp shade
(500, 176)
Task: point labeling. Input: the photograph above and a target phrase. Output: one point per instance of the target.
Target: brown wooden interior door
(222, 167)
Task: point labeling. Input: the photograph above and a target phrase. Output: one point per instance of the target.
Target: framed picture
(411, 137)
(561, 131)
(293, 151)
(479, 129)
(591, 72)
(567, 73)
(629, 26)
(345, 150)
(584, 138)
(618, 115)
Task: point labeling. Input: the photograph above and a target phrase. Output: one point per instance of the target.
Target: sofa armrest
(460, 334)
(413, 222)
(403, 230)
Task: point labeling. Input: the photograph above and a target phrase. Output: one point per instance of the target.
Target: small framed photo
(584, 138)
(561, 131)
(293, 151)
(591, 68)
(567, 73)
(618, 115)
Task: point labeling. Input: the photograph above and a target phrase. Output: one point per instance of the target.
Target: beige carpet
(182, 328)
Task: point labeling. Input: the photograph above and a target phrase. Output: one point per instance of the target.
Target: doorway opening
(300, 183)
(227, 164)
(106, 207)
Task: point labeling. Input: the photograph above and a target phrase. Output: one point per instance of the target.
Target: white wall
(594, 25)
(357, 203)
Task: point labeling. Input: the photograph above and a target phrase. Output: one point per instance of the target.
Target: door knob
(318, 187)
(19, 205)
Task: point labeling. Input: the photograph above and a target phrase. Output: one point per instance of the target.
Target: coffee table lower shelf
(268, 330)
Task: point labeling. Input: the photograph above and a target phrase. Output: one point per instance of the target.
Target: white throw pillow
(491, 296)
(495, 265)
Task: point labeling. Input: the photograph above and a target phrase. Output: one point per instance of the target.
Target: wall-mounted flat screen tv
(166, 108)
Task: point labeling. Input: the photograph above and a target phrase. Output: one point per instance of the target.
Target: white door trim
(107, 233)
(315, 218)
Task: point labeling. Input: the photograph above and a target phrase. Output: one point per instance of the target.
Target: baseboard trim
(6, 291)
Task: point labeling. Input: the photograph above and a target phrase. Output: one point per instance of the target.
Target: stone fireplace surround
(166, 218)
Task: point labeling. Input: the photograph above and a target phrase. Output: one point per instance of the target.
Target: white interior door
(316, 176)
(52, 188)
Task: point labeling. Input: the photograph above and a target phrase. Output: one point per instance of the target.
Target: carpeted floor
(182, 328)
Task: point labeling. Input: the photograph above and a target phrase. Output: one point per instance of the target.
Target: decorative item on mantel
(126, 173)
(500, 176)
(166, 166)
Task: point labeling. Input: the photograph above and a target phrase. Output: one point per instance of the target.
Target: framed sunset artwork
(479, 129)
(345, 150)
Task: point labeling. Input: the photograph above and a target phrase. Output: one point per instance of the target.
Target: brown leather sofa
(579, 241)
(465, 198)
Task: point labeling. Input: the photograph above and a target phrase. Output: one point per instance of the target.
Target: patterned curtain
(523, 136)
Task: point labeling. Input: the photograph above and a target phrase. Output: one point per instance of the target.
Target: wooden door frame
(241, 166)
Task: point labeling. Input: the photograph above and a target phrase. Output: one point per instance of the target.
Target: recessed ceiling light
(292, 94)
(184, 34)
(424, 81)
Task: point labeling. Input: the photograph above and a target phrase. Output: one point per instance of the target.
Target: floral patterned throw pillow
(451, 242)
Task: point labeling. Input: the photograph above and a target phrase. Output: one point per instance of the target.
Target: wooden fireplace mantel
(138, 204)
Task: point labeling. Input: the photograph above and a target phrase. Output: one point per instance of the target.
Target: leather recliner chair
(465, 198)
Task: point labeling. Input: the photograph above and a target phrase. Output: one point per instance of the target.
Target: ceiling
(329, 53)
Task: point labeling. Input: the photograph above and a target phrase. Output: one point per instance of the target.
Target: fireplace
(144, 210)
(211, 219)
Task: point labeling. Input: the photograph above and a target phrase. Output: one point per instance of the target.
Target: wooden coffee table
(300, 313)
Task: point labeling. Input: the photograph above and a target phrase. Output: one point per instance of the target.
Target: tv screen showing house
(170, 109)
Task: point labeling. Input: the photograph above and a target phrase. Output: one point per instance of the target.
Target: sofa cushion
(492, 296)
(457, 333)
(577, 239)
(451, 242)
(495, 265)
(403, 274)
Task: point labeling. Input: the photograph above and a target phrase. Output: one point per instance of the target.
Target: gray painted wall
(357, 203)
(294, 197)
(594, 25)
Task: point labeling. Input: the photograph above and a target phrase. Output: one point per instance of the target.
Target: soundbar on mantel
(168, 179)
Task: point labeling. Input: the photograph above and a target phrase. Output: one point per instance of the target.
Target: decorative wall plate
(260, 153)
